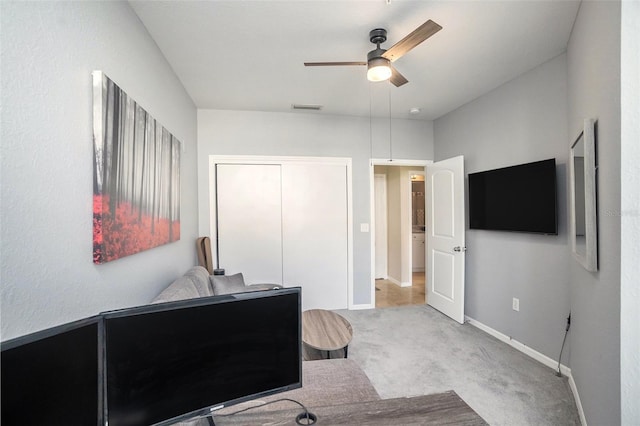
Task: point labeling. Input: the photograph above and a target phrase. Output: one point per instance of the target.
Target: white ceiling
(248, 55)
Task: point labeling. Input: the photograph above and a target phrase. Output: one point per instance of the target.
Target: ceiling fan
(379, 60)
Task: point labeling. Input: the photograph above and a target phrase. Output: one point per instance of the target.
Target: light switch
(364, 227)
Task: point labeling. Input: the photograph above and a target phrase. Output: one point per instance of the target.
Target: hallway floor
(390, 294)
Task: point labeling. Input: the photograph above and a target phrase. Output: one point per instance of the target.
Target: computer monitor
(177, 360)
(53, 377)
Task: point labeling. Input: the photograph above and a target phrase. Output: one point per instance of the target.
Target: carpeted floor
(415, 350)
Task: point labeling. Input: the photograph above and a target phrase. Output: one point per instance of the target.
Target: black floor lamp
(218, 270)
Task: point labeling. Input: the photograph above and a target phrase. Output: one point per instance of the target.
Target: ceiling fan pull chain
(370, 127)
(390, 139)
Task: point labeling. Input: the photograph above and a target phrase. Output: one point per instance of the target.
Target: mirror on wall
(584, 220)
(417, 202)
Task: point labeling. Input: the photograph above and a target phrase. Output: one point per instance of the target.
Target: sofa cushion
(227, 284)
(181, 289)
(200, 278)
(194, 283)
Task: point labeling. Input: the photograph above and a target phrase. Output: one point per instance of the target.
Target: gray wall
(300, 134)
(48, 52)
(594, 92)
(630, 219)
(522, 121)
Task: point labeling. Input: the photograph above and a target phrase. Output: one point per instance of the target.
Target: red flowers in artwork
(127, 232)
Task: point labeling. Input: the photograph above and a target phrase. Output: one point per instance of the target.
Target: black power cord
(566, 331)
(305, 418)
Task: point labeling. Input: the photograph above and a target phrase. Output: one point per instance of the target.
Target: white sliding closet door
(250, 221)
(286, 222)
(315, 233)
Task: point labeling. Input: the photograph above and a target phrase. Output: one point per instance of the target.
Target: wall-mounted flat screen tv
(53, 377)
(176, 360)
(519, 198)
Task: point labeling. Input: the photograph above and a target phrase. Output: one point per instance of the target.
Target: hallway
(390, 294)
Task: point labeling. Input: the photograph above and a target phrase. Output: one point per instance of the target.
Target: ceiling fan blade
(416, 37)
(396, 78)
(331, 64)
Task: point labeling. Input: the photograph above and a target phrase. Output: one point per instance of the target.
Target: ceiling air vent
(307, 107)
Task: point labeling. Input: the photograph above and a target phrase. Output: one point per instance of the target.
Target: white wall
(318, 135)
(522, 121)
(594, 92)
(49, 50)
(630, 218)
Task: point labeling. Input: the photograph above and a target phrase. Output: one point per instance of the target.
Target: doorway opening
(398, 237)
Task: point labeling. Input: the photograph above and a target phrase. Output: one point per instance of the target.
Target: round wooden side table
(326, 331)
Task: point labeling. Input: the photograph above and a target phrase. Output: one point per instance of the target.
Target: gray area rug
(329, 382)
(415, 350)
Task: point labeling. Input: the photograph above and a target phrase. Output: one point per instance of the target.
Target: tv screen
(52, 377)
(176, 360)
(519, 198)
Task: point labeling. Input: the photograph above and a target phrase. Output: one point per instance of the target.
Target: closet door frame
(283, 160)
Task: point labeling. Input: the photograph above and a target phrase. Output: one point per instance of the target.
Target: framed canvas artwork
(136, 178)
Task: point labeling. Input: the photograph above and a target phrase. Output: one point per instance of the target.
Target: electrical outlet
(516, 304)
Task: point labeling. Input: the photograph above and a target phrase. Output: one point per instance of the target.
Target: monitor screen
(176, 360)
(52, 377)
(519, 198)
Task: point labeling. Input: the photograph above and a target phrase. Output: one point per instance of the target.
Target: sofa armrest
(255, 287)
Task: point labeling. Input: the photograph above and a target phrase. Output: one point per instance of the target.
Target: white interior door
(250, 221)
(446, 237)
(380, 217)
(315, 233)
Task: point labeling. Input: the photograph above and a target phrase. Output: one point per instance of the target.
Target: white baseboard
(361, 306)
(519, 346)
(542, 358)
(574, 390)
(393, 280)
(399, 283)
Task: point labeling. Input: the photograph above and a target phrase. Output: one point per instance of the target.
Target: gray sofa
(325, 382)
(197, 282)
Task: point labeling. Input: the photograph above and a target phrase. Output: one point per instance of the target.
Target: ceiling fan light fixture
(379, 60)
(378, 69)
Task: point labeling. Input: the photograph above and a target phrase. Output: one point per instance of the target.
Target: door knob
(458, 248)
